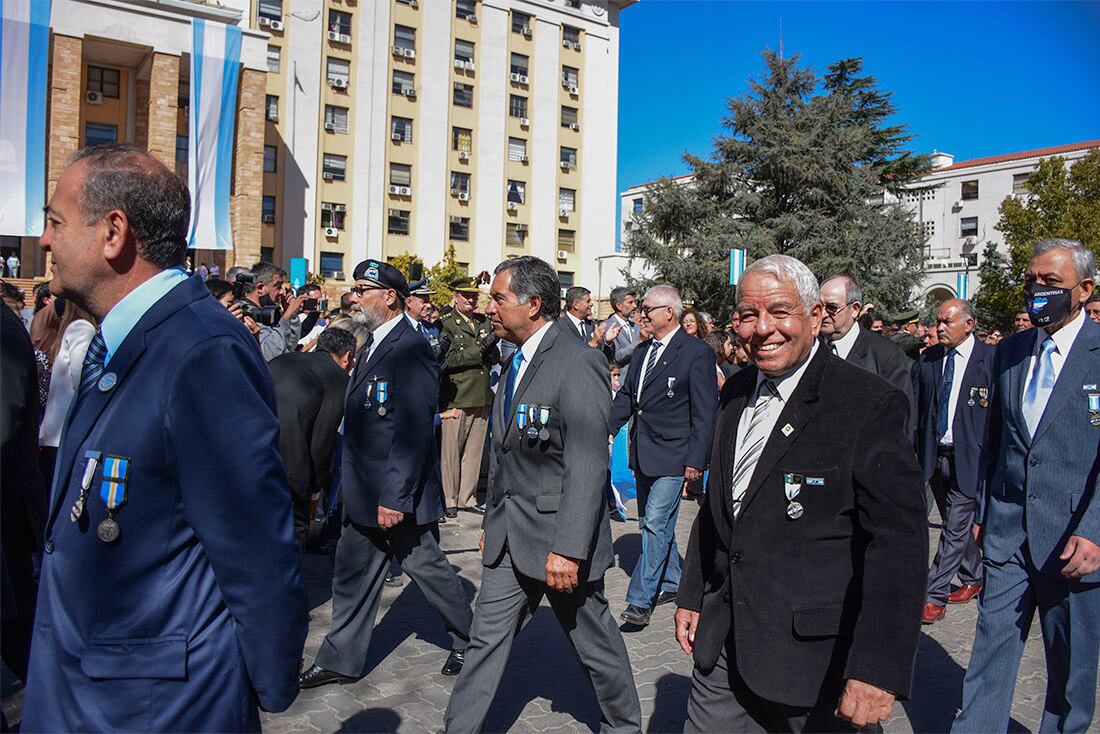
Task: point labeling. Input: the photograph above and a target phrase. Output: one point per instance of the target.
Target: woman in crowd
(66, 355)
(689, 322)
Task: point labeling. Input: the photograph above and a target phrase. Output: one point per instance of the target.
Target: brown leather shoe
(932, 613)
(964, 593)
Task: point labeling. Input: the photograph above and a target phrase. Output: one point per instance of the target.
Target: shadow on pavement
(670, 704)
(317, 573)
(937, 688)
(372, 720)
(628, 548)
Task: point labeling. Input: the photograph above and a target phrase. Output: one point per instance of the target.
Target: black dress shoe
(452, 512)
(636, 615)
(318, 676)
(665, 597)
(478, 509)
(395, 581)
(454, 662)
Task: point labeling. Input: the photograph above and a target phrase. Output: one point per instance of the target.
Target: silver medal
(108, 530)
(382, 410)
(544, 435)
(107, 382)
(794, 510)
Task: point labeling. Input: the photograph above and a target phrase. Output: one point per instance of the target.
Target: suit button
(504, 449)
(736, 559)
(1031, 496)
(49, 546)
(1033, 462)
(508, 493)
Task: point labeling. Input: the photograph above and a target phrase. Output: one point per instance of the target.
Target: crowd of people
(201, 433)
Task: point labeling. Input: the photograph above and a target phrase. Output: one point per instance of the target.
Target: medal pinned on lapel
(532, 421)
(792, 485)
(91, 465)
(521, 416)
(544, 421)
(1094, 409)
(370, 388)
(382, 393)
(116, 477)
(671, 383)
(983, 397)
(973, 392)
(107, 382)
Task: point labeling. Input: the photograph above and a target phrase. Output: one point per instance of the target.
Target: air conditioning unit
(394, 189)
(523, 79)
(574, 90)
(263, 22)
(526, 31)
(524, 122)
(339, 83)
(514, 77)
(455, 219)
(414, 4)
(269, 219)
(277, 25)
(567, 44)
(563, 213)
(455, 190)
(469, 65)
(464, 196)
(524, 159)
(339, 208)
(93, 97)
(397, 51)
(957, 205)
(464, 155)
(272, 116)
(566, 165)
(513, 206)
(330, 127)
(345, 38)
(331, 232)
(574, 126)
(337, 274)
(328, 176)
(410, 53)
(521, 227)
(970, 241)
(472, 19)
(459, 63)
(409, 92)
(334, 35)
(576, 45)
(396, 137)
(405, 190)
(563, 255)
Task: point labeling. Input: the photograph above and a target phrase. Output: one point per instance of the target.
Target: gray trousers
(721, 701)
(504, 603)
(362, 557)
(957, 552)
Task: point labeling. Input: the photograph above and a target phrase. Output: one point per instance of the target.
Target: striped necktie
(650, 365)
(753, 444)
(93, 367)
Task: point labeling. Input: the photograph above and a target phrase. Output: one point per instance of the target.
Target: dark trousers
(957, 551)
(721, 701)
(362, 557)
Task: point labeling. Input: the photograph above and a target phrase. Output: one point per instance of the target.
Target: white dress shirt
(845, 343)
(962, 359)
(625, 327)
(645, 357)
(64, 380)
(578, 326)
(1063, 341)
(529, 348)
(382, 332)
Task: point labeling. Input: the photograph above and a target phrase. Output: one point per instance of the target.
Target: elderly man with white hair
(804, 580)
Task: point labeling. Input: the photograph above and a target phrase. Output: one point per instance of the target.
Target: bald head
(842, 300)
(955, 321)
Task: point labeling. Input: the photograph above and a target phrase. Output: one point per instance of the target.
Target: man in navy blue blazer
(1038, 514)
(171, 594)
(673, 398)
(393, 496)
(952, 385)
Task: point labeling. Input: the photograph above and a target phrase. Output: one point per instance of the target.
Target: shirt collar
(845, 343)
(384, 330)
(123, 317)
(412, 322)
(965, 347)
(532, 344)
(667, 339)
(1064, 337)
(574, 319)
(623, 323)
(785, 384)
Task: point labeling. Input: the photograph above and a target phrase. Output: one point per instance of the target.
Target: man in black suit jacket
(806, 568)
(672, 396)
(393, 497)
(953, 399)
(842, 299)
(309, 388)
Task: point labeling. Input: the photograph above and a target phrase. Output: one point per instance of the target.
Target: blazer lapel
(529, 374)
(380, 351)
(1017, 381)
(728, 441)
(1072, 376)
(666, 357)
(858, 354)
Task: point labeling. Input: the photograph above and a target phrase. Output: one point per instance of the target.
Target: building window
(271, 108)
(271, 156)
(404, 37)
(274, 59)
(521, 23)
(570, 77)
(460, 229)
(96, 134)
(331, 264)
(969, 190)
(334, 166)
(517, 105)
(567, 239)
(968, 227)
(401, 129)
(569, 156)
(520, 64)
(267, 208)
(464, 95)
(336, 118)
(1019, 184)
(517, 149)
(183, 94)
(337, 70)
(410, 3)
(517, 192)
(398, 222)
(929, 229)
(515, 234)
(460, 183)
(572, 36)
(181, 148)
(462, 139)
(464, 9)
(574, 4)
(568, 116)
(104, 81)
(636, 205)
(567, 200)
(267, 254)
(402, 82)
(565, 279)
(339, 22)
(401, 174)
(333, 215)
(464, 51)
(270, 9)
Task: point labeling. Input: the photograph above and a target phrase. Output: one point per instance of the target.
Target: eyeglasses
(834, 308)
(647, 310)
(361, 289)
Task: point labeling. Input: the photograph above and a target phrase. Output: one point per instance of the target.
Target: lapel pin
(787, 430)
(108, 382)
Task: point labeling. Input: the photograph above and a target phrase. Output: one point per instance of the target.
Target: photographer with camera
(256, 291)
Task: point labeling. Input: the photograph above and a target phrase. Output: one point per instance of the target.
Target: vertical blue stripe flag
(962, 285)
(215, 70)
(737, 264)
(24, 61)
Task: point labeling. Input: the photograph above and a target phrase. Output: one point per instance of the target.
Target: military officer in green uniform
(907, 322)
(470, 352)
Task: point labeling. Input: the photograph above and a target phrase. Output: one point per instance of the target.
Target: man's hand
(481, 544)
(976, 531)
(686, 623)
(561, 572)
(235, 309)
(1083, 556)
(611, 333)
(692, 474)
(252, 326)
(597, 336)
(293, 305)
(863, 704)
(387, 518)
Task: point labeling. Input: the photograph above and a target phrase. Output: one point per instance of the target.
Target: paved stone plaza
(544, 690)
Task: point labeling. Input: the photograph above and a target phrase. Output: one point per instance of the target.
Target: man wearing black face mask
(1038, 513)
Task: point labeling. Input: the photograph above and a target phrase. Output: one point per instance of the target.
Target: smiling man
(802, 590)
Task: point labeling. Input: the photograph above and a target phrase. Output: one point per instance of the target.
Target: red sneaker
(932, 613)
(963, 594)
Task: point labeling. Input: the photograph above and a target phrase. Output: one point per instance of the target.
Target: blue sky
(970, 78)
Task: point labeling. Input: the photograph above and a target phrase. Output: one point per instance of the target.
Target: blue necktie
(510, 383)
(1039, 387)
(943, 407)
(93, 367)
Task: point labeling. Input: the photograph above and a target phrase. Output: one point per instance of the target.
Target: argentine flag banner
(215, 71)
(24, 60)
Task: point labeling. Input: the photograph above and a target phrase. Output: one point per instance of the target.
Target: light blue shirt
(120, 320)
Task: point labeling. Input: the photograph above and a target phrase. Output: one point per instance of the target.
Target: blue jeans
(658, 567)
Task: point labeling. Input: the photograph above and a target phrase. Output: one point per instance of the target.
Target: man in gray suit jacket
(546, 529)
(1038, 514)
(624, 301)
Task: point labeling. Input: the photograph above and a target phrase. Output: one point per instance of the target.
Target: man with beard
(266, 290)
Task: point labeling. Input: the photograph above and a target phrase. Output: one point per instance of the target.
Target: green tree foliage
(1061, 203)
(801, 171)
(441, 275)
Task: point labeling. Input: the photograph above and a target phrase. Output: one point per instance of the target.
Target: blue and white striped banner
(24, 61)
(962, 285)
(215, 70)
(737, 264)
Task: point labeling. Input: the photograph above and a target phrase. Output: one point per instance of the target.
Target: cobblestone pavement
(544, 690)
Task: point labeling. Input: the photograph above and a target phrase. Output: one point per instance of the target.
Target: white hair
(787, 268)
(1084, 262)
(668, 296)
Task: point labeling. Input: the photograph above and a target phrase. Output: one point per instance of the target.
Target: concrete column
(66, 96)
(248, 172)
(164, 80)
